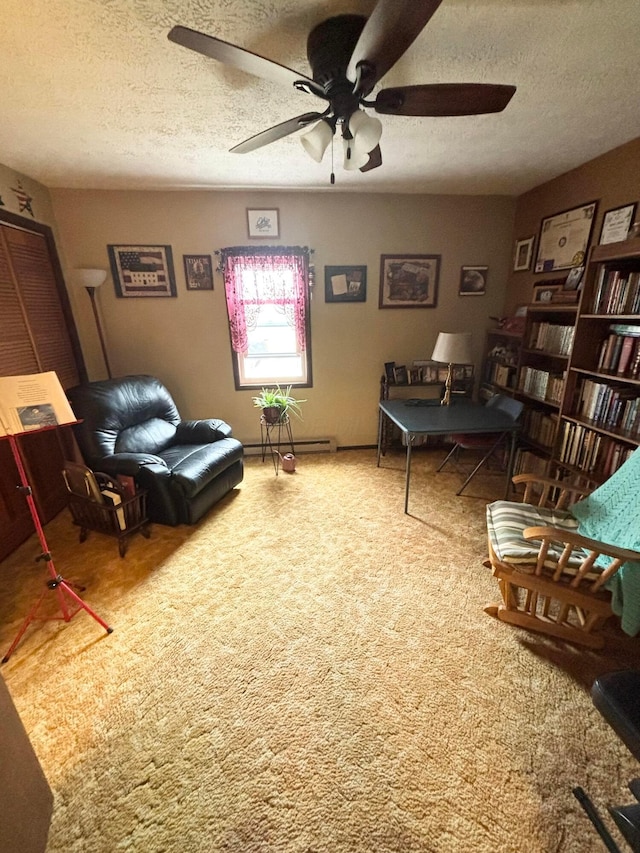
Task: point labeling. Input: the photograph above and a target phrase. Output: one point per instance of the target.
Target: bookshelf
(599, 424)
(500, 368)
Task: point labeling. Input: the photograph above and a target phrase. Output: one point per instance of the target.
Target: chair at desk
(491, 444)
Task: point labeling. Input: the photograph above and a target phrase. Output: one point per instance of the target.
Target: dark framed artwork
(198, 272)
(473, 281)
(564, 238)
(345, 284)
(523, 254)
(144, 271)
(409, 281)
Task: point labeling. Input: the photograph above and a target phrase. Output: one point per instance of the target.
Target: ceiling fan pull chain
(333, 176)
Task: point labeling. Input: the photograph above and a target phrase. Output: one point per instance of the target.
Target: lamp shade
(366, 132)
(453, 348)
(316, 141)
(90, 278)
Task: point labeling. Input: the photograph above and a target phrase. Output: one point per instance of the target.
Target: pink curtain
(255, 279)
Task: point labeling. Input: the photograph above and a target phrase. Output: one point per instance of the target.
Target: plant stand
(271, 439)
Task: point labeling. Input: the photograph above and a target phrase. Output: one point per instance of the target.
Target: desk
(434, 419)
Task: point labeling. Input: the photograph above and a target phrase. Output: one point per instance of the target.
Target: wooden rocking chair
(551, 563)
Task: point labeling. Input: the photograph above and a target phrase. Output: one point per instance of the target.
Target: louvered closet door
(34, 337)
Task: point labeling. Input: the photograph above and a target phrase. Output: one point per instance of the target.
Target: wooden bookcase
(600, 407)
(500, 368)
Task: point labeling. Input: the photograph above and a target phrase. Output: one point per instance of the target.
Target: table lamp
(452, 348)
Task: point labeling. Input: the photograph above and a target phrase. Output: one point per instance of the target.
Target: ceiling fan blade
(245, 60)
(390, 30)
(444, 99)
(278, 131)
(375, 160)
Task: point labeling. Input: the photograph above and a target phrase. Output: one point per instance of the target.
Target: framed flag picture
(143, 271)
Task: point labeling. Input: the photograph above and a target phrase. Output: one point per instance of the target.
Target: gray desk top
(462, 416)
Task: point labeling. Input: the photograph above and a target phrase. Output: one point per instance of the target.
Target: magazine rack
(69, 602)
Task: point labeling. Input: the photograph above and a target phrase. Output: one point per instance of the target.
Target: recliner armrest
(130, 463)
(202, 431)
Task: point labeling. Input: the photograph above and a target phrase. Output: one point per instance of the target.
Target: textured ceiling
(95, 96)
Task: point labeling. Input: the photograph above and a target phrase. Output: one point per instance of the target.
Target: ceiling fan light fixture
(365, 132)
(316, 141)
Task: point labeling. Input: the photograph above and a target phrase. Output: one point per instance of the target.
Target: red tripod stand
(69, 602)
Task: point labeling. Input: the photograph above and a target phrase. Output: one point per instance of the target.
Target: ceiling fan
(348, 55)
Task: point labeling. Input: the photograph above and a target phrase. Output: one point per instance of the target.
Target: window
(267, 297)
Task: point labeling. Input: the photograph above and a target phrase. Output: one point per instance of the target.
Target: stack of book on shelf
(540, 426)
(541, 384)
(609, 406)
(590, 451)
(527, 462)
(617, 292)
(551, 338)
(620, 351)
(500, 374)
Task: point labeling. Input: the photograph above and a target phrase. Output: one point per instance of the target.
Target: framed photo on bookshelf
(564, 238)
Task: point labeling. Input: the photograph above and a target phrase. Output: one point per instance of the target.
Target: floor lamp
(91, 280)
(452, 348)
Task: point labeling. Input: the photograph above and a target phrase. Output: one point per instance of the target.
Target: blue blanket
(612, 514)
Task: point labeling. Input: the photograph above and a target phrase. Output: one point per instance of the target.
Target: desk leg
(407, 476)
(512, 459)
(380, 417)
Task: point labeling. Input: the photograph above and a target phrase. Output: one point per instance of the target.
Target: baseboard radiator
(306, 445)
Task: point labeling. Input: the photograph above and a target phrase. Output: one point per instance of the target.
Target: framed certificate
(564, 238)
(616, 223)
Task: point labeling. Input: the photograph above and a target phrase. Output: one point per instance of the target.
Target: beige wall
(612, 180)
(185, 341)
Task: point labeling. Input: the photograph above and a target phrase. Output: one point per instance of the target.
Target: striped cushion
(506, 521)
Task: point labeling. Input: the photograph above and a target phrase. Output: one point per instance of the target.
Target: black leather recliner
(131, 426)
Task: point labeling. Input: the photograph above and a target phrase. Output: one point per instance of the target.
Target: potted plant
(277, 403)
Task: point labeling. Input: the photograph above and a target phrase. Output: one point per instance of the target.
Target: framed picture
(198, 272)
(564, 238)
(345, 284)
(263, 222)
(409, 281)
(574, 278)
(473, 281)
(523, 254)
(616, 223)
(544, 292)
(142, 270)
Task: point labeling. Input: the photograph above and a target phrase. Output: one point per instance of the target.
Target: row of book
(540, 426)
(616, 292)
(620, 351)
(591, 451)
(551, 338)
(527, 462)
(609, 406)
(500, 374)
(541, 384)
